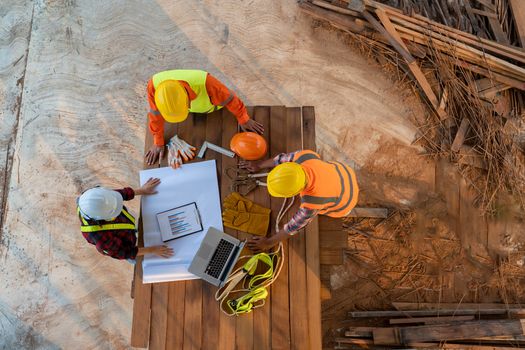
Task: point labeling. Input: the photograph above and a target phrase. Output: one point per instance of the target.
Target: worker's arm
(255, 166)
(300, 219)
(127, 193)
(160, 250)
(155, 126)
(148, 187)
(116, 244)
(220, 95)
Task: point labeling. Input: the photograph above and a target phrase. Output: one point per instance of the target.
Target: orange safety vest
(331, 186)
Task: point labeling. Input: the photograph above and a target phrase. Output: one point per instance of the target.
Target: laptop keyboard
(219, 258)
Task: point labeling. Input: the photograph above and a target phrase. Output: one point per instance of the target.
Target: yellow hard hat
(286, 180)
(172, 101)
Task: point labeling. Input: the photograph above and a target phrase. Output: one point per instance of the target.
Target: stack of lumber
(438, 326)
(460, 56)
(409, 35)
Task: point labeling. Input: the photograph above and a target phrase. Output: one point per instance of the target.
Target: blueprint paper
(194, 182)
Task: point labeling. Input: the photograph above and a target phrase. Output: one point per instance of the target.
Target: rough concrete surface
(72, 109)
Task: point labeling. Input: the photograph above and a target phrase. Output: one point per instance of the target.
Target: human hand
(148, 187)
(259, 244)
(252, 125)
(252, 166)
(162, 251)
(154, 153)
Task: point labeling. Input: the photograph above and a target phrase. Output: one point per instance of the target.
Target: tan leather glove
(233, 199)
(239, 218)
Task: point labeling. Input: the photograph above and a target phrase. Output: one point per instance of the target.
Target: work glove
(232, 200)
(240, 219)
(179, 151)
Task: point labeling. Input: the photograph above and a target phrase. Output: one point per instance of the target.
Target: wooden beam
(388, 30)
(518, 12)
(313, 273)
(340, 21)
(466, 330)
(460, 135)
(442, 312)
(280, 313)
(424, 25)
(331, 256)
(368, 213)
(403, 306)
(141, 307)
(431, 320)
(297, 248)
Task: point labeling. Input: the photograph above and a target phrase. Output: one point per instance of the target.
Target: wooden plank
(331, 256)
(141, 308)
(464, 52)
(387, 336)
(440, 312)
(229, 128)
(175, 325)
(159, 316)
(297, 247)
(460, 135)
(466, 330)
(327, 223)
(210, 308)
(339, 21)
(412, 64)
(244, 325)
(280, 313)
(518, 12)
(193, 131)
(193, 315)
(333, 239)
(261, 317)
(313, 273)
(424, 24)
(470, 306)
(431, 320)
(359, 332)
(461, 346)
(368, 213)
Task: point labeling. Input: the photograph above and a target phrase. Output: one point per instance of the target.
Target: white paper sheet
(195, 182)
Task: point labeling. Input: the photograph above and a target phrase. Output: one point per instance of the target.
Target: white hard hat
(100, 203)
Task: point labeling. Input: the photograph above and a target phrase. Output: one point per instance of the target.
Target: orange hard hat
(249, 145)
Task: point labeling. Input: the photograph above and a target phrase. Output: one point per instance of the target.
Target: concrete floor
(73, 109)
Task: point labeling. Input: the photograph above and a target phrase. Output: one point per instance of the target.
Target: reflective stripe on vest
(346, 197)
(86, 227)
(197, 81)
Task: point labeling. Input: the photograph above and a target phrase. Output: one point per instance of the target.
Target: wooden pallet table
(185, 315)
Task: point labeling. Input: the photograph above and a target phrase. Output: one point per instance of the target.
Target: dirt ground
(73, 111)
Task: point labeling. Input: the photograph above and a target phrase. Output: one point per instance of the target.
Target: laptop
(216, 257)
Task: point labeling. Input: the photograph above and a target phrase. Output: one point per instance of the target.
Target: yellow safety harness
(252, 292)
(86, 227)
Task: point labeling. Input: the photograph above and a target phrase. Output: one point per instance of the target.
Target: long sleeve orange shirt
(217, 92)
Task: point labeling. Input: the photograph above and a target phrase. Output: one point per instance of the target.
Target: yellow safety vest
(86, 227)
(197, 81)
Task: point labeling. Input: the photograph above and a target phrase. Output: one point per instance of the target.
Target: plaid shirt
(118, 244)
(303, 216)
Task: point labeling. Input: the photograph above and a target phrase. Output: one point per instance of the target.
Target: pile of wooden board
(438, 326)
(473, 82)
